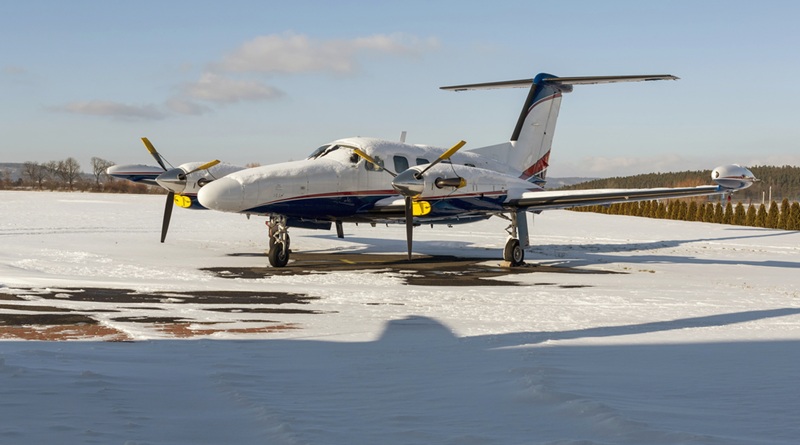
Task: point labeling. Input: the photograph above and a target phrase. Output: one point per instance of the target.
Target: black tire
(278, 255)
(514, 253)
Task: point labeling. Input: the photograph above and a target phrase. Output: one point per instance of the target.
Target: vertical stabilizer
(528, 151)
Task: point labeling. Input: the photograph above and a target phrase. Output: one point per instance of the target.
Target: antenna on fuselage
(403, 137)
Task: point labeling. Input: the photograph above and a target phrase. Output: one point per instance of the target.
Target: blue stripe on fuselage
(360, 207)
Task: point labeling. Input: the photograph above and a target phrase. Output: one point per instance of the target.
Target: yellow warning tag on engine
(420, 208)
(183, 201)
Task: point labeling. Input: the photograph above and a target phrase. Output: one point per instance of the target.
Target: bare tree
(69, 170)
(36, 172)
(99, 166)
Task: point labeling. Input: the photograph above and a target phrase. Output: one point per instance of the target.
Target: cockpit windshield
(325, 150)
(322, 151)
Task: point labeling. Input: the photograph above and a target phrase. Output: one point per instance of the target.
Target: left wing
(541, 200)
(729, 178)
(145, 174)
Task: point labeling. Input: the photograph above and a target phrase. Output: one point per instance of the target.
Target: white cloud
(113, 109)
(219, 89)
(184, 106)
(294, 53)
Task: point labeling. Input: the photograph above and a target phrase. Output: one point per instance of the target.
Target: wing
(542, 200)
(145, 174)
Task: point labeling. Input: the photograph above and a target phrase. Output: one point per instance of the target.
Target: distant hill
(784, 181)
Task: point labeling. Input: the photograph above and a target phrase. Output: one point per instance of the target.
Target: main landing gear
(278, 241)
(514, 252)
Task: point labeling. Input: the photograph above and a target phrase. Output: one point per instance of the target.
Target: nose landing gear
(278, 241)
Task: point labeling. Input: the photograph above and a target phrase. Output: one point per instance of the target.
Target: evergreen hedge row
(785, 216)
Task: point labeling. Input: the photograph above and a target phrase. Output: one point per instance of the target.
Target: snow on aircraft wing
(541, 200)
(137, 173)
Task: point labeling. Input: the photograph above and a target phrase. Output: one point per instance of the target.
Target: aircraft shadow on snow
(420, 381)
(574, 255)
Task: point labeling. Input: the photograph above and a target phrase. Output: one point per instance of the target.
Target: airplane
(367, 180)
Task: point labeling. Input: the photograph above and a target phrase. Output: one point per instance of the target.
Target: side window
(400, 164)
(371, 167)
(422, 161)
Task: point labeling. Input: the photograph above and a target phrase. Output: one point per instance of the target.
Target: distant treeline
(772, 216)
(66, 175)
(784, 182)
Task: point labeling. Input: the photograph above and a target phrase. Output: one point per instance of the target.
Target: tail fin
(528, 151)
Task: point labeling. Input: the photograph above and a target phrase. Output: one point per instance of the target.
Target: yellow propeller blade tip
(208, 164)
(453, 150)
(149, 146)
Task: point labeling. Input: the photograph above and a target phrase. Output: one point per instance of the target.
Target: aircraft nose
(225, 195)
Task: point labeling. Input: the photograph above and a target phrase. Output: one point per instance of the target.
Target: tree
(99, 166)
(708, 216)
(795, 219)
(36, 172)
(772, 216)
(761, 216)
(69, 170)
(727, 218)
(718, 213)
(739, 215)
(661, 211)
(750, 218)
(783, 217)
(691, 214)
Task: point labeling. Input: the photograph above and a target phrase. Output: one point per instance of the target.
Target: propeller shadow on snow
(416, 383)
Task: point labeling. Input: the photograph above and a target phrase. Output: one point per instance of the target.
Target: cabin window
(422, 161)
(371, 167)
(400, 164)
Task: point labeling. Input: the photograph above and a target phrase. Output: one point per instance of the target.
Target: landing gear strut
(514, 252)
(278, 241)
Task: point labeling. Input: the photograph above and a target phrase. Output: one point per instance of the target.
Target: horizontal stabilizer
(588, 80)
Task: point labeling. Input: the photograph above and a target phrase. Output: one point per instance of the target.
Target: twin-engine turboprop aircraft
(378, 181)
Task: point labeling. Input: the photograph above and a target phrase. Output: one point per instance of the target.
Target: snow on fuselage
(334, 183)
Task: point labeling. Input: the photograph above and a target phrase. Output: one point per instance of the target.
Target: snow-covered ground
(695, 341)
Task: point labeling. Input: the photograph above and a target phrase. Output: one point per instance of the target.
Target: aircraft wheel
(513, 252)
(279, 254)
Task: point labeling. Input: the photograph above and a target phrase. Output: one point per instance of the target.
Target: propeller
(205, 166)
(372, 161)
(150, 148)
(410, 184)
(446, 155)
(409, 224)
(173, 180)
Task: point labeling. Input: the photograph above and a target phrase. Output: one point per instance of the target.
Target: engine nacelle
(733, 177)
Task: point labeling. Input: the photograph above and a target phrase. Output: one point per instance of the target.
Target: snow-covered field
(696, 340)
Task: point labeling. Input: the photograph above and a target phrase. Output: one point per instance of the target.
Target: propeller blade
(155, 153)
(446, 155)
(205, 166)
(409, 225)
(167, 214)
(369, 159)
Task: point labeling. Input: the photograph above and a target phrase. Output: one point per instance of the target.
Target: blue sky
(261, 81)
